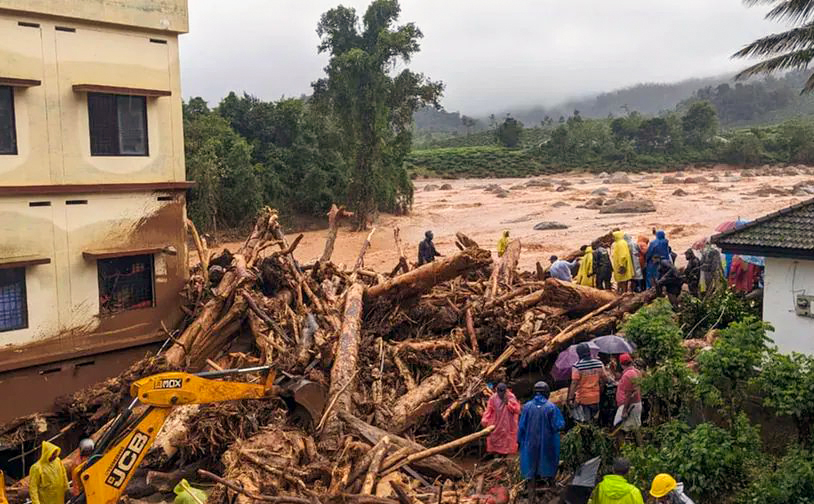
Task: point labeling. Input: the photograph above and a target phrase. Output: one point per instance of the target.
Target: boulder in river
(602, 191)
(670, 179)
(539, 183)
(632, 206)
(446, 187)
(548, 225)
(619, 178)
(430, 187)
(680, 192)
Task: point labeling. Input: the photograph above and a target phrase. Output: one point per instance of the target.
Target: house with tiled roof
(786, 239)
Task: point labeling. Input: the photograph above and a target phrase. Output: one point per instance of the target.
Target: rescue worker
(636, 281)
(587, 377)
(692, 273)
(622, 262)
(539, 438)
(502, 411)
(561, 269)
(586, 276)
(665, 489)
(48, 480)
(426, 250)
(670, 280)
(86, 447)
(614, 488)
(643, 242)
(711, 268)
(503, 243)
(629, 399)
(602, 268)
(660, 246)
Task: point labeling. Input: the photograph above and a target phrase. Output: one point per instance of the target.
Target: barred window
(125, 283)
(13, 303)
(118, 125)
(8, 132)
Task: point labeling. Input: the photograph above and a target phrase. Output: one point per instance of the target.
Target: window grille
(125, 283)
(13, 303)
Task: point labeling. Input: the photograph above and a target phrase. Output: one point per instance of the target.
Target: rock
(696, 180)
(803, 188)
(539, 183)
(518, 187)
(680, 192)
(548, 225)
(669, 179)
(430, 187)
(602, 191)
(624, 195)
(634, 206)
(731, 179)
(563, 188)
(493, 188)
(560, 204)
(503, 193)
(748, 173)
(619, 178)
(790, 172)
(446, 187)
(766, 190)
(603, 175)
(593, 203)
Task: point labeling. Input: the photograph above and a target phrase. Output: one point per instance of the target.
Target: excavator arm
(105, 474)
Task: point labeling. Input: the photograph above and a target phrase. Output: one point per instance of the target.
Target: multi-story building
(92, 190)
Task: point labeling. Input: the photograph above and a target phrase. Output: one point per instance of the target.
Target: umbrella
(567, 359)
(612, 344)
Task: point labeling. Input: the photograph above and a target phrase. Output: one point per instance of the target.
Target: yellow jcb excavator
(105, 474)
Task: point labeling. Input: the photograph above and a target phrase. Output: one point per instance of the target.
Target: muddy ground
(482, 214)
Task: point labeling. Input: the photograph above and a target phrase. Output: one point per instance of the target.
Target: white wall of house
(784, 280)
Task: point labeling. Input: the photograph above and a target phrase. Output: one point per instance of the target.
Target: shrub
(697, 316)
(584, 442)
(786, 383)
(711, 461)
(790, 482)
(670, 389)
(654, 331)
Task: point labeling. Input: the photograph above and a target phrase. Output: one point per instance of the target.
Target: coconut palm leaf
(795, 11)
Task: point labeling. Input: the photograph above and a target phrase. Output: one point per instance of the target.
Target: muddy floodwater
(483, 212)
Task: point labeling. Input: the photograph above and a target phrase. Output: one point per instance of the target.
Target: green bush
(721, 309)
(670, 389)
(654, 331)
(584, 442)
(711, 461)
(790, 482)
(786, 383)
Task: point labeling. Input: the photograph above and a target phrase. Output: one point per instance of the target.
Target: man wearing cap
(587, 378)
(539, 439)
(502, 411)
(629, 398)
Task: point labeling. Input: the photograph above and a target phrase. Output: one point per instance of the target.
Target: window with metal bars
(13, 303)
(118, 125)
(8, 131)
(125, 283)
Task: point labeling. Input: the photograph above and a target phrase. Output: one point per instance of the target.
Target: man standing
(692, 273)
(426, 250)
(622, 262)
(587, 377)
(503, 243)
(614, 488)
(539, 439)
(669, 279)
(712, 269)
(86, 447)
(603, 268)
(503, 412)
(48, 480)
(629, 399)
(561, 269)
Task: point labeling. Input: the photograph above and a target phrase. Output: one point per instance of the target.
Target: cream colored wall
(170, 15)
(64, 295)
(52, 120)
(783, 280)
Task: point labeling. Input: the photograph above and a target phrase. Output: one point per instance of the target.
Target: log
(437, 464)
(422, 400)
(422, 279)
(506, 267)
(424, 346)
(345, 364)
(576, 298)
(429, 452)
(165, 481)
(403, 265)
(200, 247)
(603, 322)
(470, 330)
(375, 464)
(360, 260)
(406, 375)
(335, 214)
(278, 499)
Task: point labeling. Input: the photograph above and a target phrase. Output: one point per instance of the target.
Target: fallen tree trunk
(429, 452)
(422, 279)
(345, 363)
(423, 399)
(335, 214)
(505, 268)
(575, 298)
(379, 451)
(437, 464)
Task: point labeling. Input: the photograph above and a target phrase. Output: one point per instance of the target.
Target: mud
(483, 216)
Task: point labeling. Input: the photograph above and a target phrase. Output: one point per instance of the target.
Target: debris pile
(398, 366)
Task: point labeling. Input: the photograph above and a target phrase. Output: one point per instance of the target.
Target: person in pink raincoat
(503, 411)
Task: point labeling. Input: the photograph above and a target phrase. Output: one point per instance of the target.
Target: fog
(491, 55)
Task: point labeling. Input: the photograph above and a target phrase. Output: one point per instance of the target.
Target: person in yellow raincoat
(48, 480)
(622, 261)
(585, 275)
(503, 243)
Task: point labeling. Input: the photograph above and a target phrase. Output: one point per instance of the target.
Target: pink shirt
(626, 385)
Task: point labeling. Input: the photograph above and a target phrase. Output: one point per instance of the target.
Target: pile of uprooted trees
(404, 356)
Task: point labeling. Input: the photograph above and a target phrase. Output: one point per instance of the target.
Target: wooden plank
(112, 253)
(102, 88)
(23, 262)
(15, 82)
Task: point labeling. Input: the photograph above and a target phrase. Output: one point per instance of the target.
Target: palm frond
(794, 11)
(792, 40)
(793, 60)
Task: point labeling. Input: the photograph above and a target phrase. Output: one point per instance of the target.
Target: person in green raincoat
(48, 480)
(503, 243)
(614, 488)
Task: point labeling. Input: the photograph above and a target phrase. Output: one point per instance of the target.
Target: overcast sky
(491, 54)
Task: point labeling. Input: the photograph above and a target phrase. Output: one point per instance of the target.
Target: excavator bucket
(309, 396)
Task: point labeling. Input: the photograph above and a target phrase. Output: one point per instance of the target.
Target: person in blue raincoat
(658, 247)
(539, 438)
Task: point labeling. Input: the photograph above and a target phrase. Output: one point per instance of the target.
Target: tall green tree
(508, 133)
(373, 105)
(791, 49)
(700, 124)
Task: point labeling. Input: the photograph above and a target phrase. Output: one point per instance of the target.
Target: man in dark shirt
(669, 280)
(426, 250)
(692, 273)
